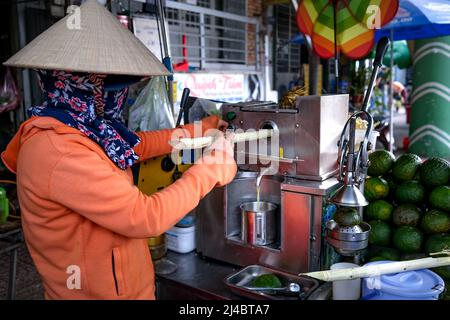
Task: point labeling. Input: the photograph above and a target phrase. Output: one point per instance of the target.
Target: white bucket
(346, 289)
(181, 240)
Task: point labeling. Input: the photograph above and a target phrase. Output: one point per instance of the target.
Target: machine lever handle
(382, 46)
(183, 102)
(381, 50)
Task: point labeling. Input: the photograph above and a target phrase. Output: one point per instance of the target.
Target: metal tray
(242, 278)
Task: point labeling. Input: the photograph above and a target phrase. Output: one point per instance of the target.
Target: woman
(84, 221)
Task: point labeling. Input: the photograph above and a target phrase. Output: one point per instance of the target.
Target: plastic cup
(346, 289)
(359, 137)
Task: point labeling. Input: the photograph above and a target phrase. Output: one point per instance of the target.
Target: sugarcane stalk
(203, 142)
(378, 270)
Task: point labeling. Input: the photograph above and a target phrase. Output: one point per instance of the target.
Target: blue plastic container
(410, 285)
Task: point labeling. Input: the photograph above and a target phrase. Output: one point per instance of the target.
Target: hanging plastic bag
(9, 94)
(151, 110)
(202, 108)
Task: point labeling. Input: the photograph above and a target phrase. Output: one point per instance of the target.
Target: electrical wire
(12, 206)
(8, 181)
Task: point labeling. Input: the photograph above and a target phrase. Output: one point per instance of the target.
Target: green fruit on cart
(438, 243)
(435, 221)
(446, 295)
(380, 233)
(380, 162)
(375, 188)
(377, 259)
(392, 185)
(410, 192)
(440, 198)
(412, 256)
(347, 217)
(389, 254)
(444, 272)
(406, 166)
(408, 239)
(406, 215)
(266, 281)
(435, 172)
(379, 210)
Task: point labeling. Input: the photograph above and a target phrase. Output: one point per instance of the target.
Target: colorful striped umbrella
(346, 26)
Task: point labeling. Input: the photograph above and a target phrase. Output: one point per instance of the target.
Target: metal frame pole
(391, 97)
(166, 50)
(202, 41)
(26, 75)
(257, 53)
(336, 53)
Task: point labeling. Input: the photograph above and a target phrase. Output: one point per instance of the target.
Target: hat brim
(100, 44)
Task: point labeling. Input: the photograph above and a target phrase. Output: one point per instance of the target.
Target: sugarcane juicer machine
(274, 212)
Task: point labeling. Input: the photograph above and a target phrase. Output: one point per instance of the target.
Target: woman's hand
(221, 154)
(222, 143)
(213, 122)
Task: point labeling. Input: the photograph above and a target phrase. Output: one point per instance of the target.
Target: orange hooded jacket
(84, 221)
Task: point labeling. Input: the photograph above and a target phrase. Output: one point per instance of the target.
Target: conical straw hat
(101, 45)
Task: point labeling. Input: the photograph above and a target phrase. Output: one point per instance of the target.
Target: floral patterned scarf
(81, 101)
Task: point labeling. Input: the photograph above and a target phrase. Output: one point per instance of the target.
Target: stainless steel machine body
(308, 134)
(299, 243)
(308, 137)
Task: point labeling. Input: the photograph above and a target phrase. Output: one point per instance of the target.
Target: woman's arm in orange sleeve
(85, 183)
(156, 143)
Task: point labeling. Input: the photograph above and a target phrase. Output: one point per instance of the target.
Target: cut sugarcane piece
(378, 270)
(192, 143)
(203, 142)
(252, 135)
(270, 157)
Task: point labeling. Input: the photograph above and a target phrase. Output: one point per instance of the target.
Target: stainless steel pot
(259, 223)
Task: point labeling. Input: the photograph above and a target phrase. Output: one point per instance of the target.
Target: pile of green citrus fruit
(409, 207)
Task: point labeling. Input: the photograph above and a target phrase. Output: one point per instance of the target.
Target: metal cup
(259, 221)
